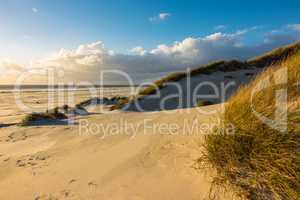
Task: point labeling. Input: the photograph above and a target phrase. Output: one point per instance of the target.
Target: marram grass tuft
(260, 162)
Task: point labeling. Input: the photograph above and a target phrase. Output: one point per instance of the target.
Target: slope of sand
(142, 163)
(215, 88)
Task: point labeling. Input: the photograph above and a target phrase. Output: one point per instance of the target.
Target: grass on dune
(203, 69)
(49, 115)
(204, 103)
(275, 55)
(218, 66)
(159, 84)
(226, 66)
(223, 66)
(259, 162)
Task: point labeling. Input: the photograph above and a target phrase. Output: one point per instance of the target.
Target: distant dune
(233, 74)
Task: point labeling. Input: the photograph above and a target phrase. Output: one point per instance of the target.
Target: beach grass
(35, 117)
(257, 161)
(204, 103)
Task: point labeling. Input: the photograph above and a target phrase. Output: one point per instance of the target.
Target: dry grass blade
(260, 162)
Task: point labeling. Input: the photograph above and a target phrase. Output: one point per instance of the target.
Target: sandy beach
(39, 101)
(149, 100)
(85, 161)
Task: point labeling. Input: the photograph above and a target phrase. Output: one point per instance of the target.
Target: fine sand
(145, 162)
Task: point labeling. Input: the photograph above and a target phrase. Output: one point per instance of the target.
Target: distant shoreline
(45, 88)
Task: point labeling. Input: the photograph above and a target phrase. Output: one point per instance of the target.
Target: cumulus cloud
(192, 51)
(138, 50)
(86, 62)
(160, 17)
(85, 55)
(163, 16)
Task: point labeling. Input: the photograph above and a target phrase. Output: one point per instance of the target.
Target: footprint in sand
(65, 193)
(72, 181)
(46, 197)
(32, 160)
(21, 163)
(42, 157)
(17, 136)
(92, 184)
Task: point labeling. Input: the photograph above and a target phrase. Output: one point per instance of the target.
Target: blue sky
(123, 24)
(36, 29)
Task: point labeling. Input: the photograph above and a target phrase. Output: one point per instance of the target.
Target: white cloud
(138, 50)
(294, 27)
(87, 61)
(192, 51)
(35, 10)
(86, 54)
(164, 16)
(160, 17)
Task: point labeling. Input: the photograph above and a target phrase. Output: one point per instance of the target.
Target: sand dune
(91, 160)
(112, 155)
(64, 162)
(217, 87)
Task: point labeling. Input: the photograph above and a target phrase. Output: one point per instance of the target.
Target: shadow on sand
(7, 125)
(51, 123)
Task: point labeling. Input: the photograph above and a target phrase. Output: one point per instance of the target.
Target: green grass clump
(259, 162)
(204, 103)
(92, 101)
(275, 56)
(121, 102)
(49, 115)
(159, 84)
